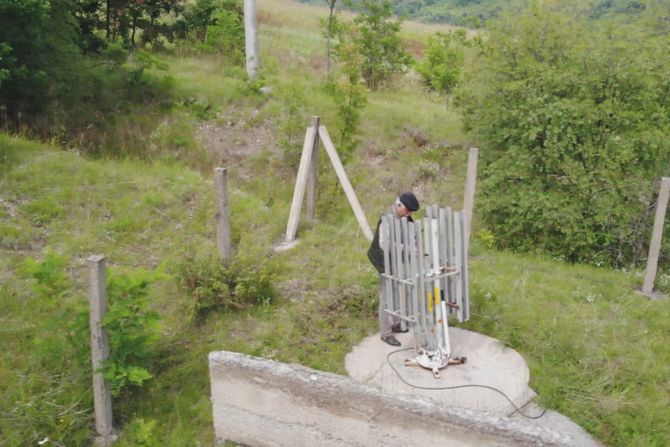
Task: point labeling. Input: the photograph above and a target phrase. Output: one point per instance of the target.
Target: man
(404, 206)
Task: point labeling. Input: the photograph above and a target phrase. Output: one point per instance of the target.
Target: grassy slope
(597, 352)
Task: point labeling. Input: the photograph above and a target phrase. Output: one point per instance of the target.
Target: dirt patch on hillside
(235, 142)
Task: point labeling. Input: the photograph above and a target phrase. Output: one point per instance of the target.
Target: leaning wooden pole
(222, 213)
(300, 185)
(102, 398)
(344, 181)
(656, 237)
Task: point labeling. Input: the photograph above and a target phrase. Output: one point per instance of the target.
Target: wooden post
(656, 236)
(300, 185)
(469, 197)
(250, 40)
(342, 176)
(222, 214)
(312, 177)
(99, 349)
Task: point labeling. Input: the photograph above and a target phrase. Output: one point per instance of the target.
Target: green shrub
(214, 26)
(231, 285)
(441, 69)
(51, 281)
(226, 33)
(132, 328)
(143, 433)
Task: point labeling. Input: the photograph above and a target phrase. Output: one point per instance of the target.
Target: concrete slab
(492, 371)
(489, 363)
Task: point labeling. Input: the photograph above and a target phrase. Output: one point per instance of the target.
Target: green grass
(597, 352)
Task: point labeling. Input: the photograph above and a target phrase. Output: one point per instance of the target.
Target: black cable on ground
(517, 409)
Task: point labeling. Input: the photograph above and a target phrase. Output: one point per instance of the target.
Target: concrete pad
(489, 364)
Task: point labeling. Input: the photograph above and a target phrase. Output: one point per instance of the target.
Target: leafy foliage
(377, 39)
(349, 95)
(214, 285)
(51, 279)
(132, 327)
(347, 85)
(574, 123)
(441, 69)
(39, 57)
(214, 26)
(226, 32)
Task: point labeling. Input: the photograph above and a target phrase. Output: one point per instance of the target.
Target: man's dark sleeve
(375, 252)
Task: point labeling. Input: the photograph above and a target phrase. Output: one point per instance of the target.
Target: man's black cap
(409, 200)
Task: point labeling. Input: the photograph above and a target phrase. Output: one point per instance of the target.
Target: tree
(347, 90)
(329, 27)
(441, 69)
(573, 122)
(378, 41)
(39, 56)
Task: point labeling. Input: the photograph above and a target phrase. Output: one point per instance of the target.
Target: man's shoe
(397, 328)
(391, 340)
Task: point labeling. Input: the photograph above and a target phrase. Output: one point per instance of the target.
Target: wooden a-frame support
(307, 176)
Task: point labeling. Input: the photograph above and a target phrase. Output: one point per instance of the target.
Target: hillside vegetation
(476, 13)
(598, 352)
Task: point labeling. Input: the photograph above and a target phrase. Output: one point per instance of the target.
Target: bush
(226, 34)
(573, 123)
(441, 69)
(214, 26)
(132, 327)
(212, 284)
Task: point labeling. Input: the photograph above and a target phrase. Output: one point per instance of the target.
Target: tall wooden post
(251, 43)
(656, 236)
(469, 197)
(99, 349)
(222, 213)
(312, 176)
(300, 185)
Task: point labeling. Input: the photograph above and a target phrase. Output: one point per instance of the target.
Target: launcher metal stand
(435, 361)
(426, 266)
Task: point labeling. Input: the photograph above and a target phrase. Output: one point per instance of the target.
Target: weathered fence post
(251, 43)
(99, 350)
(222, 213)
(312, 176)
(469, 197)
(656, 236)
(300, 185)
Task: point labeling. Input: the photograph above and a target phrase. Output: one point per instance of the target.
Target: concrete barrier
(259, 402)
